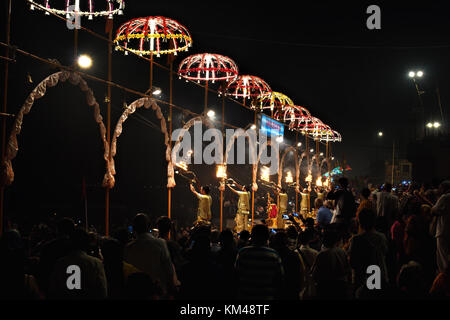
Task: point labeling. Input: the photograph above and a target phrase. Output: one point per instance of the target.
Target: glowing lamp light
(326, 183)
(311, 150)
(279, 139)
(436, 124)
(211, 114)
(289, 177)
(321, 154)
(332, 158)
(299, 144)
(221, 172)
(380, 134)
(429, 125)
(157, 91)
(265, 174)
(419, 74)
(84, 61)
(411, 74)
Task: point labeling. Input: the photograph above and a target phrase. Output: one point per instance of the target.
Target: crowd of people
(404, 233)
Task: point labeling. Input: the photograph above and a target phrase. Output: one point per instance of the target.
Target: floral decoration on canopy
(90, 8)
(247, 87)
(208, 67)
(153, 35)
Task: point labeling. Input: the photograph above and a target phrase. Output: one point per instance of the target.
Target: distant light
(411, 74)
(279, 139)
(332, 158)
(157, 91)
(211, 114)
(419, 74)
(299, 144)
(429, 125)
(321, 153)
(436, 124)
(380, 134)
(253, 127)
(84, 61)
(312, 150)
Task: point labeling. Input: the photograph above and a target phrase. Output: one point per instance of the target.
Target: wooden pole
(307, 164)
(224, 141)
(108, 124)
(206, 97)
(5, 102)
(169, 194)
(253, 192)
(296, 194)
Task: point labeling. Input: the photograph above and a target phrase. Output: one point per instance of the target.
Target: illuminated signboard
(271, 127)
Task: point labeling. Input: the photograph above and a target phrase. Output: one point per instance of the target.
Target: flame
(221, 171)
(289, 177)
(326, 183)
(308, 178)
(265, 174)
(319, 181)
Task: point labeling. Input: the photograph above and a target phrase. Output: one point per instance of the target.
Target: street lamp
(380, 134)
(211, 114)
(157, 91)
(84, 61)
(299, 144)
(436, 125)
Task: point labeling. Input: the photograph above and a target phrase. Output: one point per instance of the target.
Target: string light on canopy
(247, 87)
(208, 67)
(273, 101)
(88, 8)
(330, 136)
(153, 35)
(311, 126)
(292, 114)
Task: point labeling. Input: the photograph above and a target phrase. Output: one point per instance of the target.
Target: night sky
(318, 53)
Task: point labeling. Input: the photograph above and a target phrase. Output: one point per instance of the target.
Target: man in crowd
(150, 255)
(259, 269)
(441, 212)
(387, 207)
(344, 200)
(243, 208)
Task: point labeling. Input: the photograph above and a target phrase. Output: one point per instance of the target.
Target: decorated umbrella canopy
(330, 135)
(311, 126)
(153, 35)
(83, 8)
(273, 101)
(208, 67)
(247, 87)
(292, 114)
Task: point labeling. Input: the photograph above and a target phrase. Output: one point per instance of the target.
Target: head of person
(330, 236)
(343, 182)
(318, 203)
(226, 238)
(164, 225)
(387, 187)
(260, 235)
(244, 235)
(279, 240)
(328, 204)
(80, 240)
(65, 227)
(365, 194)
(205, 190)
(309, 222)
(367, 219)
(141, 223)
(215, 236)
(305, 237)
(283, 190)
(112, 250)
(444, 187)
(292, 232)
